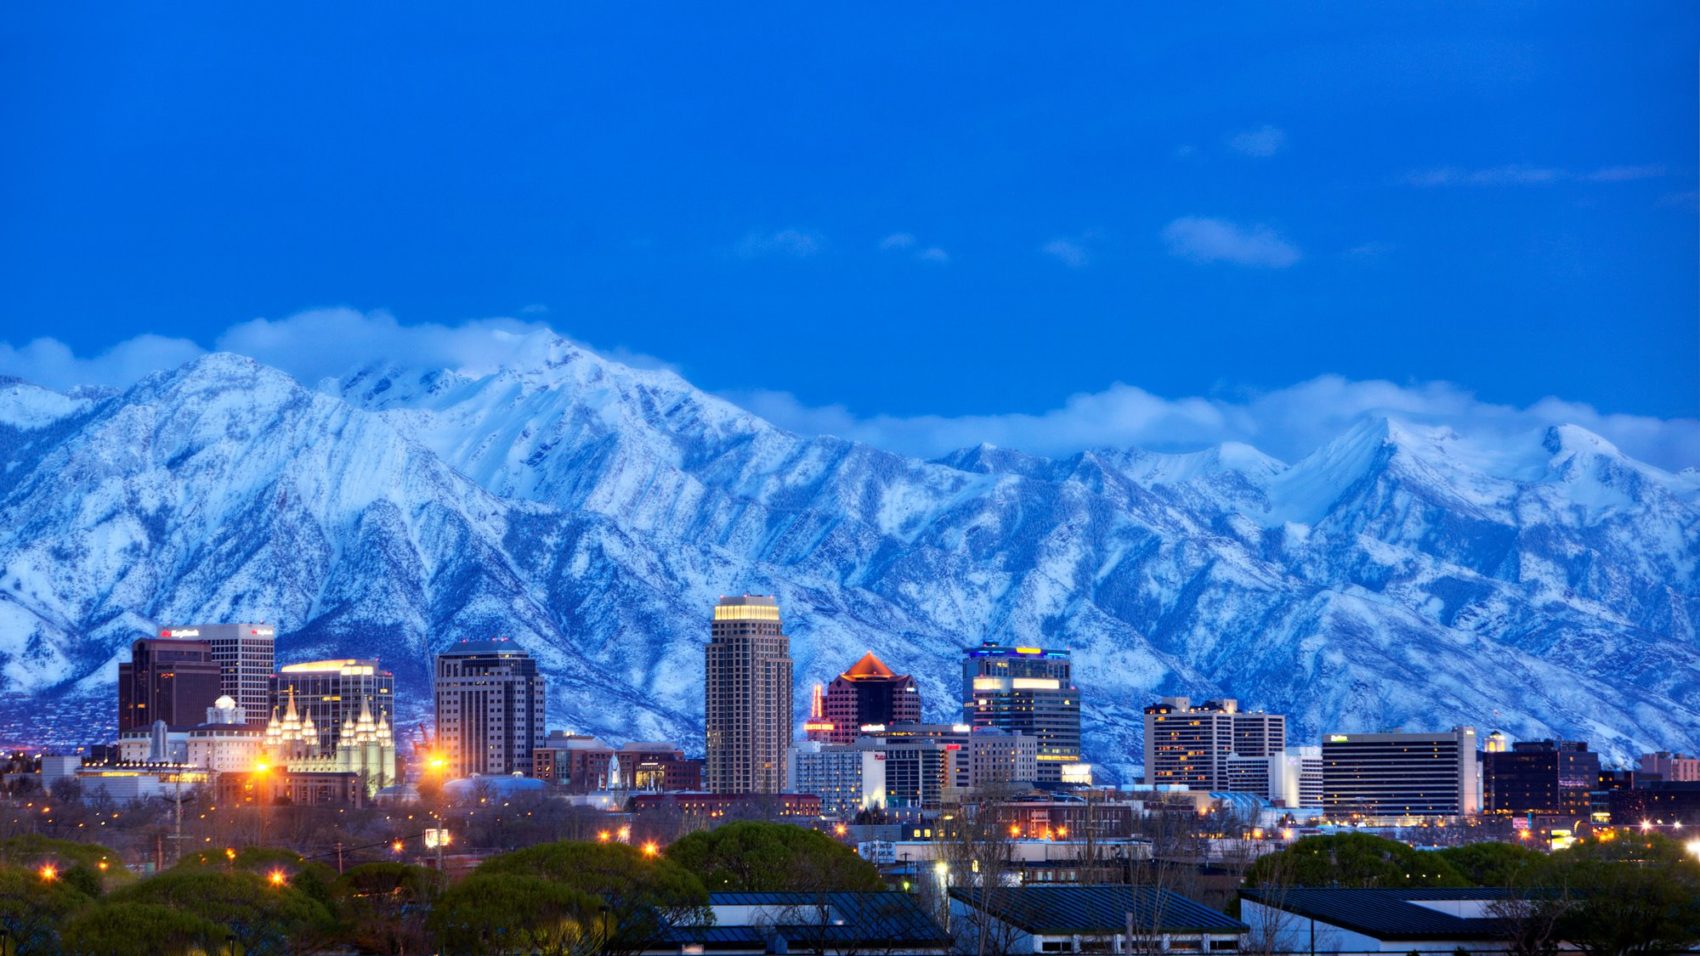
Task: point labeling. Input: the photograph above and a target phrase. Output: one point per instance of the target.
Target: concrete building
(224, 743)
(332, 693)
(1002, 758)
(1675, 768)
(246, 655)
(490, 707)
(1190, 746)
(1025, 689)
(1088, 919)
(1541, 777)
(169, 679)
(747, 706)
(1396, 775)
(868, 695)
(848, 778)
(1290, 778)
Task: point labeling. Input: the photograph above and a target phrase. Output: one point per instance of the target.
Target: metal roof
(1056, 910)
(874, 918)
(1388, 914)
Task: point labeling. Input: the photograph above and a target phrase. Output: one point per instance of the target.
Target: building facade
(490, 707)
(747, 706)
(1400, 775)
(579, 764)
(246, 655)
(1191, 746)
(1025, 689)
(1675, 768)
(332, 693)
(868, 695)
(169, 679)
(848, 778)
(225, 742)
(1541, 777)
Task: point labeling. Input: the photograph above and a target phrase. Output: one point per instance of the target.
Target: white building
(225, 743)
(1401, 775)
(848, 778)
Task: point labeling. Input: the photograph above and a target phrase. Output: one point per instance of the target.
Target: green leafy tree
(265, 917)
(1633, 894)
(1355, 860)
(314, 879)
(141, 929)
(32, 909)
(1493, 864)
(643, 894)
(759, 857)
(490, 914)
(385, 905)
(89, 867)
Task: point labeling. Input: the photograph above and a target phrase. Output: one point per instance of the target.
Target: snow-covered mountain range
(1399, 577)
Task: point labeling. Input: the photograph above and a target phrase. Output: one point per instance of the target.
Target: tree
(644, 894)
(1633, 894)
(140, 929)
(1356, 860)
(758, 857)
(1492, 864)
(491, 913)
(314, 879)
(266, 917)
(386, 905)
(31, 909)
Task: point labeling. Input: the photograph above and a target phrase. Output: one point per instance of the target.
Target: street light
(1693, 847)
(48, 872)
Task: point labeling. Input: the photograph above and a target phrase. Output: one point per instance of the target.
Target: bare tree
(977, 857)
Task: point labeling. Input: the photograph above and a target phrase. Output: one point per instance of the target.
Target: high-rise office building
(332, 693)
(1542, 777)
(1026, 689)
(866, 695)
(169, 679)
(489, 699)
(1665, 765)
(246, 655)
(747, 710)
(1398, 775)
(1190, 745)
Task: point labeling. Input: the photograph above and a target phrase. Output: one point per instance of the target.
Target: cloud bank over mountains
(1286, 422)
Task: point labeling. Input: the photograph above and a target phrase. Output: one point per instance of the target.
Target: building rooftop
(495, 645)
(878, 921)
(1066, 910)
(869, 667)
(1388, 914)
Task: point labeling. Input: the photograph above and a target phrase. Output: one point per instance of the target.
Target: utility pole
(339, 857)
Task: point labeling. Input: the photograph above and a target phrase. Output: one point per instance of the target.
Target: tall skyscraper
(246, 655)
(747, 709)
(1027, 689)
(1398, 774)
(169, 679)
(868, 694)
(1191, 745)
(332, 693)
(489, 707)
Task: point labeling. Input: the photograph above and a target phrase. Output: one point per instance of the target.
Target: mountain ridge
(1395, 577)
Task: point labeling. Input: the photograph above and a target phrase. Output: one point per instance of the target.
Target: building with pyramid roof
(868, 695)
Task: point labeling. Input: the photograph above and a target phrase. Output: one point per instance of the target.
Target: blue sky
(884, 212)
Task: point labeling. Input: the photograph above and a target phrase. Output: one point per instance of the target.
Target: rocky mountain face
(1399, 577)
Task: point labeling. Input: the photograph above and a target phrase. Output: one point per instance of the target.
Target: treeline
(61, 897)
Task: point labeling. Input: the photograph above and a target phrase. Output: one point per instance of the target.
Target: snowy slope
(1398, 577)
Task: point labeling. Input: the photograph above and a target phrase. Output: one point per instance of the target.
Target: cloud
(905, 242)
(1262, 142)
(1520, 175)
(1069, 252)
(793, 243)
(1206, 240)
(1287, 423)
(50, 362)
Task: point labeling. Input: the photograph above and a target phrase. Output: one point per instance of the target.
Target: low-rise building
(1423, 920)
(1088, 919)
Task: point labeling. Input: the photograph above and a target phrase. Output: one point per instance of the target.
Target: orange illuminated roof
(868, 667)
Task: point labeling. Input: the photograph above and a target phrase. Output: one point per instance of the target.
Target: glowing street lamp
(603, 836)
(651, 849)
(48, 872)
(277, 878)
(1693, 848)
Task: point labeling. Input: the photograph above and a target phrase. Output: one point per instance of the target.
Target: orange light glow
(277, 878)
(1062, 833)
(651, 849)
(1014, 831)
(604, 836)
(840, 829)
(49, 872)
(103, 865)
(625, 834)
(397, 847)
